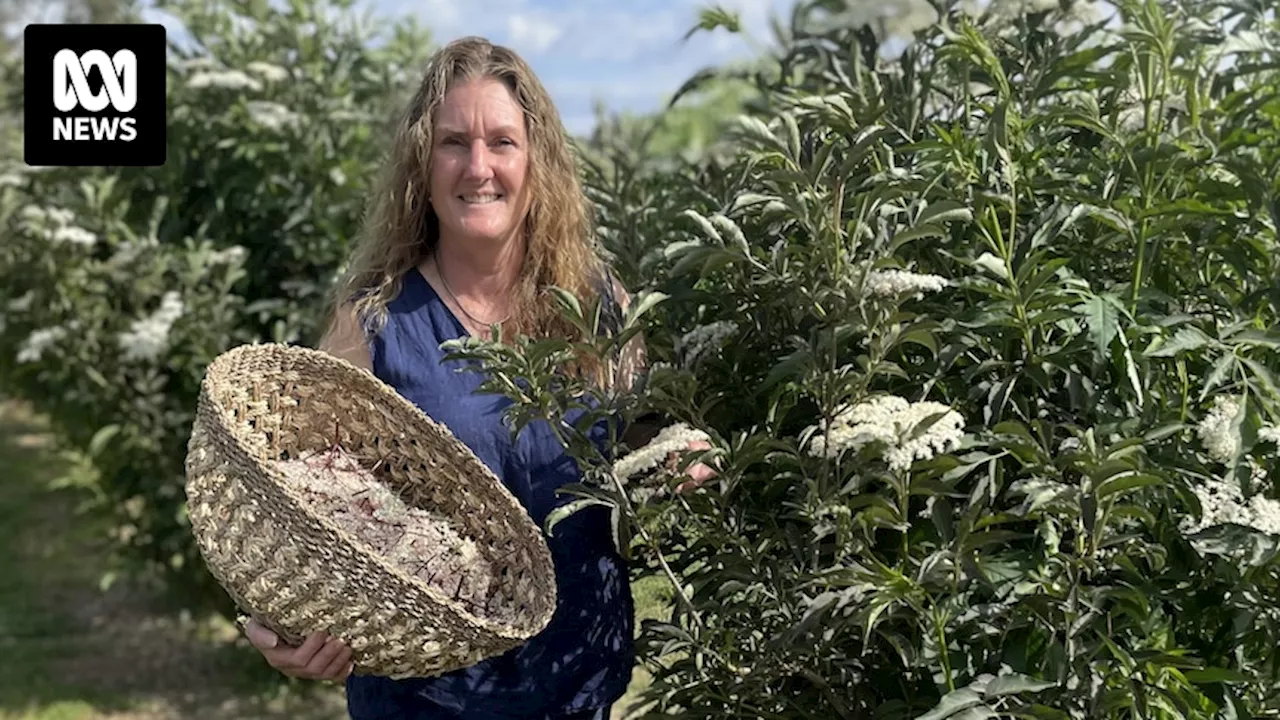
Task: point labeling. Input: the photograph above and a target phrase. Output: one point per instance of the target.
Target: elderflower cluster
(267, 71)
(902, 283)
(1270, 434)
(272, 115)
(55, 225)
(703, 339)
(1222, 502)
(149, 336)
(38, 342)
(1215, 431)
(892, 421)
(227, 256)
(672, 438)
(227, 79)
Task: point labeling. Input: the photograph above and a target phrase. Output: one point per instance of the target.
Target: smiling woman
(478, 214)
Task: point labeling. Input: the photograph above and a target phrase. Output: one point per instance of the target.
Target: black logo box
(148, 149)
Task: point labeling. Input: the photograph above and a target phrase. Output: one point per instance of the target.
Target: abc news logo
(95, 95)
(71, 90)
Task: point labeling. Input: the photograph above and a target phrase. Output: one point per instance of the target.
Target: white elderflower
(1222, 502)
(272, 115)
(704, 339)
(76, 235)
(149, 337)
(902, 283)
(55, 225)
(227, 79)
(269, 72)
(672, 438)
(228, 256)
(1270, 434)
(895, 422)
(40, 340)
(22, 304)
(1215, 432)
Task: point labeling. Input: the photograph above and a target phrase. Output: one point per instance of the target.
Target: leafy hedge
(122, 284)
(986, 337)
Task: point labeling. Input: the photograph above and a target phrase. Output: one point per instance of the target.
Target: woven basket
(298, 572)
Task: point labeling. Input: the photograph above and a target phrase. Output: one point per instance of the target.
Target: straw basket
(297, 571)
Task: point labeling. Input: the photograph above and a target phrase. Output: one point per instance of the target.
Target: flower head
(227, 79)
(38, 342)
(1215, 429)
(672, 438)
(902, 283)
(1222, 503)
(149, 336)
(1270, 434)
(704, 339)
(896, 423)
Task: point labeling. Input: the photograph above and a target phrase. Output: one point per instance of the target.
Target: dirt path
(70, 651)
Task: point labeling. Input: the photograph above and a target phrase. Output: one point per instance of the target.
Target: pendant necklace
(456, 301)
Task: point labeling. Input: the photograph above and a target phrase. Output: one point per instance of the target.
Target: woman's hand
(320, 657)
(698, 472)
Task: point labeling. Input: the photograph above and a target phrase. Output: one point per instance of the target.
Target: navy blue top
(583, 659)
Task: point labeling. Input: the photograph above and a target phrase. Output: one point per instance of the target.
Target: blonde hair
(401, 228)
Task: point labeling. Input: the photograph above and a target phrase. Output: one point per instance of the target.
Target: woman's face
(479, 163)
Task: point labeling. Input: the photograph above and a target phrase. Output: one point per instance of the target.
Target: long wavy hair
(401, 228)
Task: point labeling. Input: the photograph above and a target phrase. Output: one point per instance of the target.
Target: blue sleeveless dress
(583, 659)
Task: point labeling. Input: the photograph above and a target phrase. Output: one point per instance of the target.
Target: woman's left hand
(698, 472)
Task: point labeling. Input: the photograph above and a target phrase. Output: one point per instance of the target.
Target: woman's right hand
(319, 657)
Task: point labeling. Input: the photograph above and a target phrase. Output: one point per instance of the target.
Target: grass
(72, 651)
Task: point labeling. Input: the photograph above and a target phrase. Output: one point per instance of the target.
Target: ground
(71, 651)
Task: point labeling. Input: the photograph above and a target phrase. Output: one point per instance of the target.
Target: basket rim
(384, 392)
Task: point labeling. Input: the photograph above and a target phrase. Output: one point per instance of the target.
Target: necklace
(456, 301)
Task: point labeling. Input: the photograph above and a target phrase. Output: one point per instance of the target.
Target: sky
(629, 55)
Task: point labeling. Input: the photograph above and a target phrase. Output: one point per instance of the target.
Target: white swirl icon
(71, 80)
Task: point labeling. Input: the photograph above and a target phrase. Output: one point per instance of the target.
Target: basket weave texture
(298, 572)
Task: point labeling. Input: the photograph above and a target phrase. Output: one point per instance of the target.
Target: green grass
(70, 651)
(45, 564)
(653, 597)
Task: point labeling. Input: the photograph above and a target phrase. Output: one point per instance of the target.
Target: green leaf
(100, 439)
(1127, 481)
(1015, 683)
(641, 304)
(715, 17)
(1186, 339)
(952, 703)
(1103, 320)
(1205, 676)
(944, 211)
(569, 304)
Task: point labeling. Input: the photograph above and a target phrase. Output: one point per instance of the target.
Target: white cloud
(532, 34)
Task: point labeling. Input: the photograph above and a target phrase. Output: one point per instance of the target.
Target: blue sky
(629, 55)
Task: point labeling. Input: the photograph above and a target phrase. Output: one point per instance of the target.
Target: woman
(479, 211)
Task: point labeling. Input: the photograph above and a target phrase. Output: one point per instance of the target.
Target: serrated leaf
(1103, 320)
(1187, 338)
